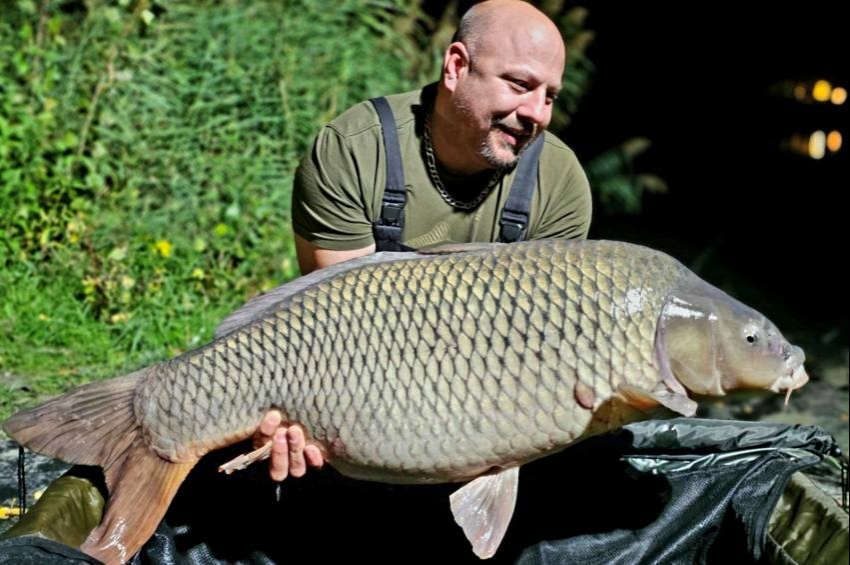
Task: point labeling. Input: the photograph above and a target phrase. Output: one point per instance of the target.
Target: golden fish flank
(508, 352)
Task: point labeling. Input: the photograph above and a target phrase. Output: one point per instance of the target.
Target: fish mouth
(790, 382)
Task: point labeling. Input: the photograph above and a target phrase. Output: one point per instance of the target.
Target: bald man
(460, 141)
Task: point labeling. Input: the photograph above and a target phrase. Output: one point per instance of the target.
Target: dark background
(762, 222)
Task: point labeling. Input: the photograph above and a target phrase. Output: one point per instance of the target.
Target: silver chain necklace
(438, 182)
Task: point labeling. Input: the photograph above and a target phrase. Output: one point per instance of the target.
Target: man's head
(500, 76)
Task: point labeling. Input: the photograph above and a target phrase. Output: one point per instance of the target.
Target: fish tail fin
(95, 424)
(90, 425)
(141, 486)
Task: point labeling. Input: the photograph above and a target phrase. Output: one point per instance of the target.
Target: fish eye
(751, 334)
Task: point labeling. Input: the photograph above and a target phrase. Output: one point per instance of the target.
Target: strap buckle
(511, 231)
(391, 213)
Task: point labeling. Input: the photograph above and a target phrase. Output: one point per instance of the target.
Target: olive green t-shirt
(340, 183)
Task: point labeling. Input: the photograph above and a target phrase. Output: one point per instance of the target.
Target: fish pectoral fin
(645, 400)
(483, 509)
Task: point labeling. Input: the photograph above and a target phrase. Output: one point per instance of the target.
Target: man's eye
(520, 85)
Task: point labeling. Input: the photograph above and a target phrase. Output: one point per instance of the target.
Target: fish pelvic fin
(142, 486)
(642, 399)
(483, 509)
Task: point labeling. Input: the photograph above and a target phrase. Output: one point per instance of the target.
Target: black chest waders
(387, 230)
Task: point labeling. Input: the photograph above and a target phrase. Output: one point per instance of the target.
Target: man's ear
(455, 65)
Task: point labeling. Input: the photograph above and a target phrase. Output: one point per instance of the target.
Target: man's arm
(311, 257)
(330, 216)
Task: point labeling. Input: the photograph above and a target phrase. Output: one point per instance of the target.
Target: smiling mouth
(514, 137)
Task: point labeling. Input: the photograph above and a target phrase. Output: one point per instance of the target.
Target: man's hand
(291, 455)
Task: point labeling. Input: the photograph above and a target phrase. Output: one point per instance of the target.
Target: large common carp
(419, 368)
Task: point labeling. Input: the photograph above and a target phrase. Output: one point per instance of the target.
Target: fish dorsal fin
(645, 400)
(483, 509)
(263, 304)
(449, 248)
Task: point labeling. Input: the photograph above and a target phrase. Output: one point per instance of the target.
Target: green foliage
(146, 155)
(619, 188)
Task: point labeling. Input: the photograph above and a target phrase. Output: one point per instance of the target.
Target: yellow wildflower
(90, 285)
(163, 247)
(119, 317)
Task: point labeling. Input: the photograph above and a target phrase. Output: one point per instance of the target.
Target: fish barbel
(451, 366)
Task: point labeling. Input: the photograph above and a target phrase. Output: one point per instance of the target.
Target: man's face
(504, 98)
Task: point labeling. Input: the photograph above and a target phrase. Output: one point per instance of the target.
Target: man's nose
(535, 108)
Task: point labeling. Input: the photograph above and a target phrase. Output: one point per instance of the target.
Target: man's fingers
(289, 455)
(295, 438)
(279, 465)
(313, 455)
(270, 423)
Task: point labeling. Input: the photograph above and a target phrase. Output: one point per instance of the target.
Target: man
(460, 140)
